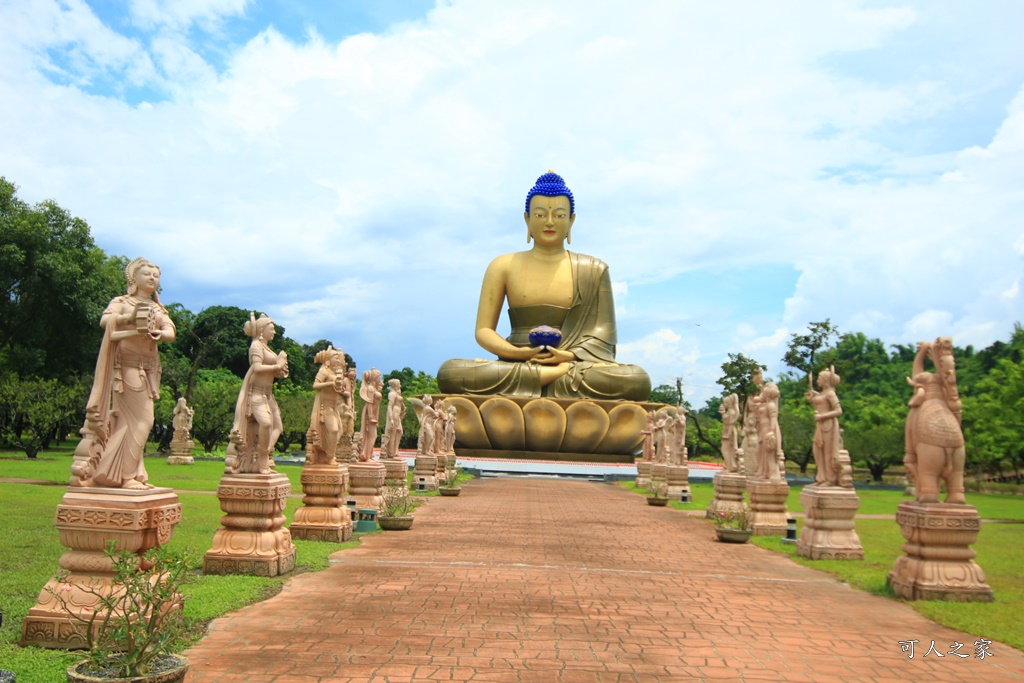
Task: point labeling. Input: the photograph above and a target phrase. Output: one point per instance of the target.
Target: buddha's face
(549, 220)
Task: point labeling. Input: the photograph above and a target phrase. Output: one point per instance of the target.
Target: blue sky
(351, 167)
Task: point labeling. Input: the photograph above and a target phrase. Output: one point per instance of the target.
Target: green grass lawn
(30, 549)
(1000, 550)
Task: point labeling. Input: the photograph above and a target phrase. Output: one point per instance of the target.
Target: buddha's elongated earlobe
(568, 236)
(528, 238)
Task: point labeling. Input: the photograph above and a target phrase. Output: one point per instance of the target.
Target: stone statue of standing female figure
(393, 422)
(730, 411)
(828, 439)
(428, 420)
(769, 434)
(119, 413)
(257, 422)
(325, 422)
(371, 393)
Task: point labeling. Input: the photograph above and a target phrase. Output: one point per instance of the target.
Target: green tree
(874, 433)
(32, 410)
(994, 418)
(736, 376)
(807, 352)
(213, 399)
(52, 276)
(296, 407)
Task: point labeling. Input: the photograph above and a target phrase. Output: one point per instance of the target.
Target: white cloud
(363, 185)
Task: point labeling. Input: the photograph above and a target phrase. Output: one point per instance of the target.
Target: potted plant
(732, 526)
(451, 481)
(657, 493)
(396, 508)
(136, 621)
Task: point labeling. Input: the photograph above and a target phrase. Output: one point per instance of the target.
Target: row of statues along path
(554, 392)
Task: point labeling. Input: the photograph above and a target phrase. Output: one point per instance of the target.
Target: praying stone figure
(547, 285)
(257, 423)
(828, 439)
(939, 563)
(119, 413)
(730, 412)
(393, 423)
(325, 422)
(370, 392)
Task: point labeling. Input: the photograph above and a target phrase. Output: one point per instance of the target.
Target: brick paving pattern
(550, 581)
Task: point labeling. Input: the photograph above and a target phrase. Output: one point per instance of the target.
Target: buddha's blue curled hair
(551, 185)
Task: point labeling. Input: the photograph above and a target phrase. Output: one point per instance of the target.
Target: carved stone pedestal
(181, 453)
(425, 472)
(939, 563)
(365, 482)
(658, 477)
(324, 516)
(87, 520)
(768, 506)
(678, 478)
(441, 471)
(396, 472)
(729, 488)
(252, 538)
(643, 473)
(829, 532)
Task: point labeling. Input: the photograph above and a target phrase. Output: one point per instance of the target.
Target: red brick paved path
(553, 581)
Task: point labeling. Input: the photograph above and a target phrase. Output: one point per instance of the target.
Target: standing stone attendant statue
(730, 412)
(257, 422)
(828, 439)
(325, 422)
(182, 420)
(119, 414)
(393, 423)
(547, 285)
(371, 393)
(769, 434)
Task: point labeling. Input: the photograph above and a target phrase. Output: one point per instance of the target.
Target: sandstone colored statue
(119, 413)
(663, 425)
(371, 393)
(348, 405)
(769, 434)
(182, 420)
(257, 421)
(547, 285)
(828, 438)
(678, 455)
(428, 420)
(648, 432)
(449, 430)
(393, 422)
(935, 440)
(730, 412)
(325, 422)
(750, 432)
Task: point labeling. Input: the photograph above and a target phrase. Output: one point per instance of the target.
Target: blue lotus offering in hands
(545, 336)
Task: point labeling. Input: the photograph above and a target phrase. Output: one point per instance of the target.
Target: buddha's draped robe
(588, 331)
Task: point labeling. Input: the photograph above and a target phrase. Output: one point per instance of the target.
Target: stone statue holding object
(371, 393)
(325, 422)
(393, 423)
(119, 413)
(547, 285)
(257, 423)
(730, 412)
(828, 438)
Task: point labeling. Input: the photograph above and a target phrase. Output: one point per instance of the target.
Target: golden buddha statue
(547, 285)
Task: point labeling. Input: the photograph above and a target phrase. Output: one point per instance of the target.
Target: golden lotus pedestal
(829, 532)
(365, 483)
(728, 496)
(88, 519)
(252, 539)
(574, 430)
(768, 506)
(424, 475)
(939, 563)
(324, 516)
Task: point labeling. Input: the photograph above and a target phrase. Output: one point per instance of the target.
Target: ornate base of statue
(181, 453)
(658, 476)
(829, 532)
(441, 470)
(728, 497)
(365, 483)
(424, 476)
(581, 430)
(252, 538)
(768, 506)
(643, 473)
(324, 515)
(87, 520)
(678, 478)
(939, 563)
(396, 472)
